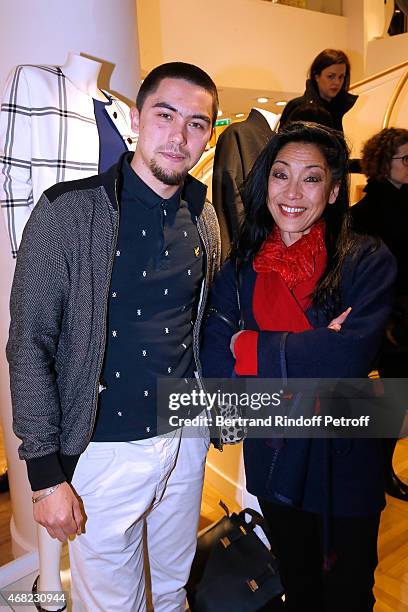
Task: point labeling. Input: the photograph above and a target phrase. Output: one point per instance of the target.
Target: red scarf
(285, 281)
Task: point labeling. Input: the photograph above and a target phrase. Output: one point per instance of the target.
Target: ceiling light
(262, 100)
(281, 103)
(220, 113)
(239, 115)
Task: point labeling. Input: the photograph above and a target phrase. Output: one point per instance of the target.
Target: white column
(42, 32)
(22, 527)
(368, 19)
(356, 34)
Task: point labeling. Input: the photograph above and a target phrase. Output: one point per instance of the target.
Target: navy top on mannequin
(111, 144)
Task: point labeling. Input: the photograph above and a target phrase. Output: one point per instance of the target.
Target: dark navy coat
(355, 477)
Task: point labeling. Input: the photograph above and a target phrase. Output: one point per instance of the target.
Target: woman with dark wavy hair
(314, 300)
(326, 87)
(383, 212)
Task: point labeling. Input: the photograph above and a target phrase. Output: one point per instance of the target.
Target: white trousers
(135, 493)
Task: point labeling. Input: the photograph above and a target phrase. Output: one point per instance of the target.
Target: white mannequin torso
(83, 74)
(270, 117)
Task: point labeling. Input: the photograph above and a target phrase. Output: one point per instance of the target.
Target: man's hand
(336, 323)
(60, 513)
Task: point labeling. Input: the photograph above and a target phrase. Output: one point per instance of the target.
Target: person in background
(315, 298)
(311, 113)
(383, 212)
(326, 87)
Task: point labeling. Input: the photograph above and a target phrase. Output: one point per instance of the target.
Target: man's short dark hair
(178, 70)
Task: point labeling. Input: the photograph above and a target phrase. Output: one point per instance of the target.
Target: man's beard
(165, 176)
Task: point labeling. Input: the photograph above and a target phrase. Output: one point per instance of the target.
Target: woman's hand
(336, 323)
(233, 340)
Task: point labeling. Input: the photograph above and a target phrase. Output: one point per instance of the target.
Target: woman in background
(383, 212)
(327, 87)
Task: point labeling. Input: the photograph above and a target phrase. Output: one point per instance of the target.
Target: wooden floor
(391, 588)
(5, 514)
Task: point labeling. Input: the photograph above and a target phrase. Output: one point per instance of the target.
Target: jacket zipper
(205, 285)
(103, 343)
(272, 467)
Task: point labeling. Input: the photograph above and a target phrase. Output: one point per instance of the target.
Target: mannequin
(49, 577)
(81, 157)
(83, 73)
(236, 151)
(54, 125)
(271, 118)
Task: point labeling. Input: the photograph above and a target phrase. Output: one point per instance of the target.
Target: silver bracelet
(46, 493)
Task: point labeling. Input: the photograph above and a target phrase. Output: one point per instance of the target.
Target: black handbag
(233, 570)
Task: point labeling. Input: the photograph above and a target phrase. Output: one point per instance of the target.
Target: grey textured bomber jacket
(58, 316)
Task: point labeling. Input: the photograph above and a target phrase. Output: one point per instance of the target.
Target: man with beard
(109, 292)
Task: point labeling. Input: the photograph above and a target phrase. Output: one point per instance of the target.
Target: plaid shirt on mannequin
(48, 134)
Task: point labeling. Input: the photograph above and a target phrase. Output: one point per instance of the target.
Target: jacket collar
(256, 117)
(385, 189)
(340, 104)
(136, 189)
(193, 191)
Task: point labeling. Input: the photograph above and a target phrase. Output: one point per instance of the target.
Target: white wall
(241, 43)
(366, 116)
(325, 6)
(354, 11)
(368, 21)
(385, 52)
(43, 31)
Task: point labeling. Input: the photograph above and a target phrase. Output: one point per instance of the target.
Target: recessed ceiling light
(281, 103)
(220, 113)
(239, 115)
(262, 100)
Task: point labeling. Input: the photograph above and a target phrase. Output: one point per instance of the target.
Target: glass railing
(332, 7)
